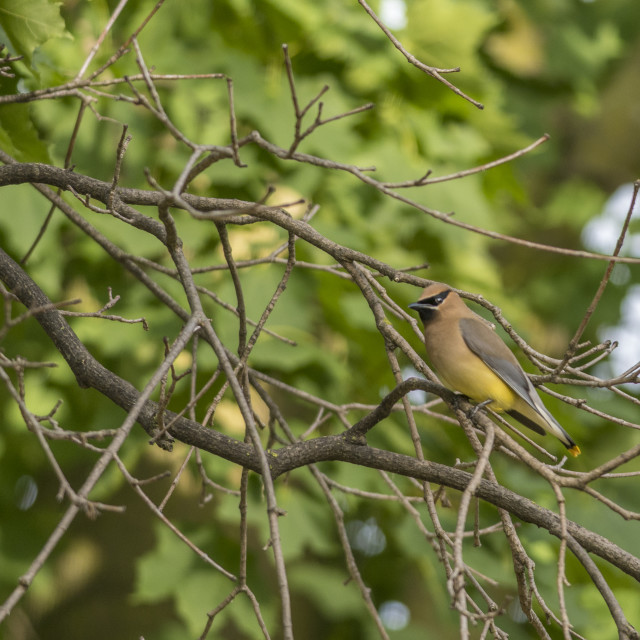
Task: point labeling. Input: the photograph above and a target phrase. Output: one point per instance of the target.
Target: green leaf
(328, 588)
(18, 136)
(163, 568)
(306, 526)
(30, 23)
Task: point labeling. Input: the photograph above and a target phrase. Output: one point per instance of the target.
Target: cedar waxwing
(471, 358)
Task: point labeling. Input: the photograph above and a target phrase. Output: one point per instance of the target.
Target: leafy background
(568, 68)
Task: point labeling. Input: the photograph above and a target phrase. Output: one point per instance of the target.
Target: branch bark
(346, 447)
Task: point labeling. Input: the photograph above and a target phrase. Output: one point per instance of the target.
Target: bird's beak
(421, 305)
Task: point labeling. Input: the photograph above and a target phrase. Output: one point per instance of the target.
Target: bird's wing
(482, 341)
(497, 356)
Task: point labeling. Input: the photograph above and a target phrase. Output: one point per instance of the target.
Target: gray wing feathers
(498, 357)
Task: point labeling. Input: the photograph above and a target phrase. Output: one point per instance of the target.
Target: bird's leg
(479, 406)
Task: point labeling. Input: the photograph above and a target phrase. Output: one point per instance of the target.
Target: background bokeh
(567, 68)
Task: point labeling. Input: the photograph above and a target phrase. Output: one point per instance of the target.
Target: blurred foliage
(565, 67)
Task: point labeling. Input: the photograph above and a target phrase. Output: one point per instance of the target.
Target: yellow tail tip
(575, 450)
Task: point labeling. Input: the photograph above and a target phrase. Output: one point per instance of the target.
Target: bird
(472, 359)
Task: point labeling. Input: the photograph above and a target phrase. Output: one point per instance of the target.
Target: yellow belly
(479, 383)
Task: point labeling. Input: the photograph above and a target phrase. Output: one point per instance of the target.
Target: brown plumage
(471, 358)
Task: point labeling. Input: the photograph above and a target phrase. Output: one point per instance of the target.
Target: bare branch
(432, 71)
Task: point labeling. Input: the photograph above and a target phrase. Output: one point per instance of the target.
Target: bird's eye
(440, 298)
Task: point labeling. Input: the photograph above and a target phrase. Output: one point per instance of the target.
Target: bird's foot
(479, 406)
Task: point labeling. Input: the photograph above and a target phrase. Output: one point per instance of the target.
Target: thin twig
(432, 71)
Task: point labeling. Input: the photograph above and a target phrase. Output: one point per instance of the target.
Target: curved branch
(20, 173)
(90, 373)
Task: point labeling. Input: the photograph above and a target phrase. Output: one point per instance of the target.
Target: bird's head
(434, 299)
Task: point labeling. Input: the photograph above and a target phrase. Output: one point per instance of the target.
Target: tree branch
(90, 373)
